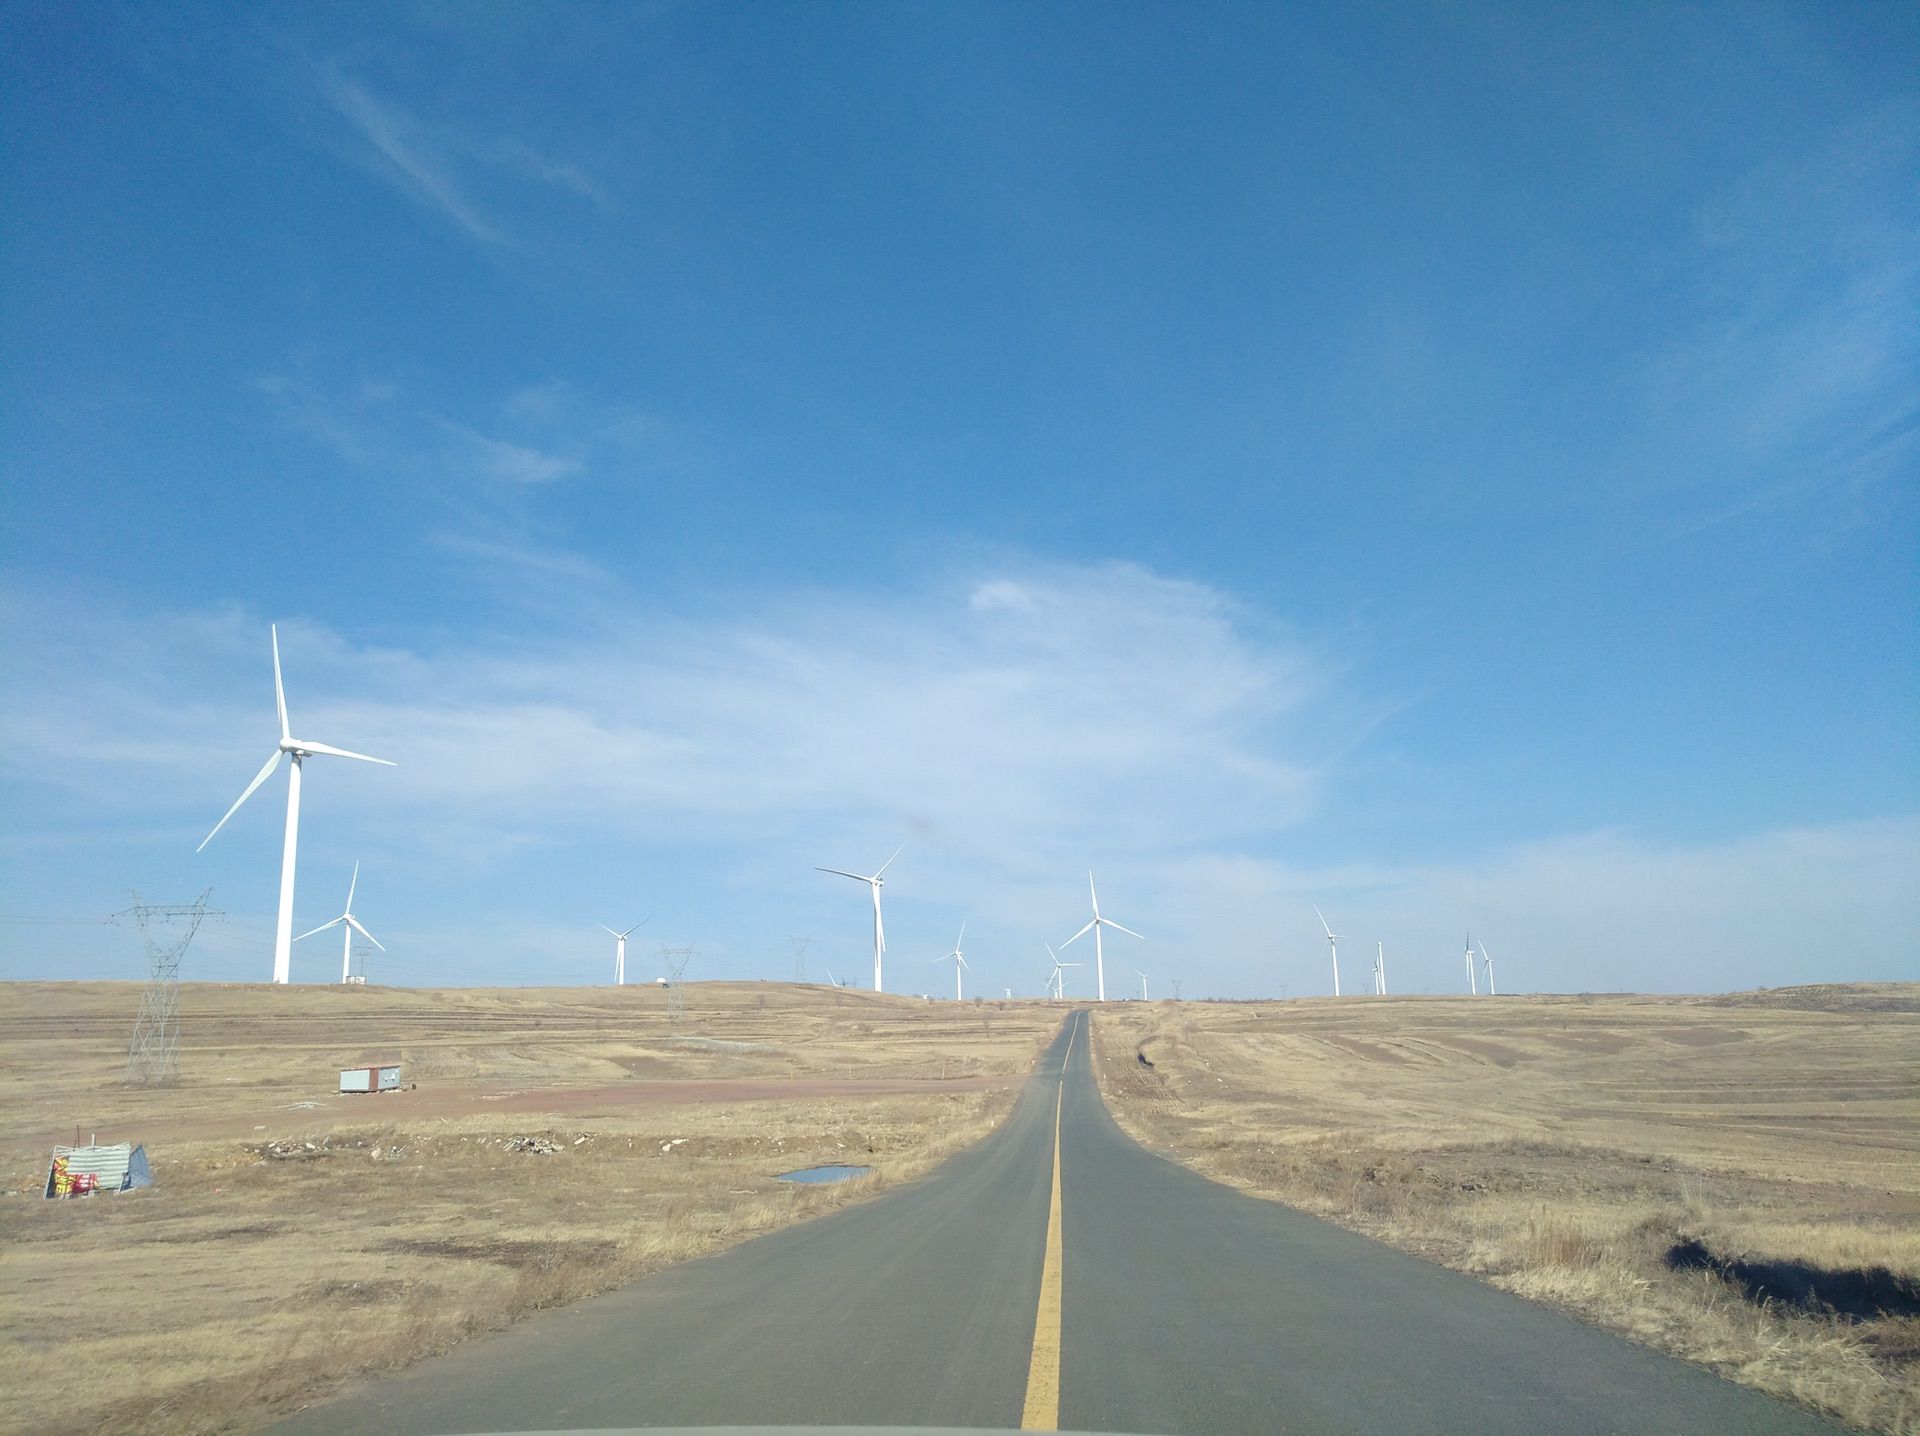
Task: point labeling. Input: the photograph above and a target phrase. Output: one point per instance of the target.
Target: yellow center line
(1042, 1409)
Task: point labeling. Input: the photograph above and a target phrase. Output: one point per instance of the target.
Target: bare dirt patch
(1734, 1180)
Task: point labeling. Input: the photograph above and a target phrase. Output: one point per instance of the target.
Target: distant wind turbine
(1057, 983)
(1333, 943)
(352, 926)
(1473, 983)
(959, 962)
(1380, 970)
(297, 749)
(1488, 959)
(879, 932)
(620, 949)
(1094, 926)
(1143, 984)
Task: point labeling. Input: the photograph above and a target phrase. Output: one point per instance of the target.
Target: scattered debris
(538, 1146)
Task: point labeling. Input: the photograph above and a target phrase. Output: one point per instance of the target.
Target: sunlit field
(554, 1143)
(1667, 1167)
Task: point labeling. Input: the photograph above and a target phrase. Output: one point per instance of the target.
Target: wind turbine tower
(1473, 982)
(352, 925)
(1333, 944)
(959, 962)
(879, 932)
(297, 749)
(1094, 926)
(620, 949)
(1487, 958)
(1380, 970)
(1143, 984)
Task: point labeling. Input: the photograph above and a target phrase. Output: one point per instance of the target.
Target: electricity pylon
(153, 1057)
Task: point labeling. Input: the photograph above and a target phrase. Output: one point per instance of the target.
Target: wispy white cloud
(1790, 368)
(513, 463)
(560, 174)
(441, 166)
(408, 157)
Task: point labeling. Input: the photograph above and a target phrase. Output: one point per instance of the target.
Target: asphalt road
(1185, 1309)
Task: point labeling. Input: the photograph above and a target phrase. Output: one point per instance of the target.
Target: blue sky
(1451, 464)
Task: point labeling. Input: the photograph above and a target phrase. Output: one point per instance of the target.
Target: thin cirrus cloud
(425, 163)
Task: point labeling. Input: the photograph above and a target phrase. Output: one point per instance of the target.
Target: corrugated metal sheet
(116, 1168)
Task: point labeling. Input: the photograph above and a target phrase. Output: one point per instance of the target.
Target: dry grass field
(295, 1237)
(1677, 1169)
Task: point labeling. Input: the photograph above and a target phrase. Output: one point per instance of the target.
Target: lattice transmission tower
(676, 959)
(800, 946)
(153, 1057)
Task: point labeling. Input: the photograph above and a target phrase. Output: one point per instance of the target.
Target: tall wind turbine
(1094, 926)
(620, 949)
(1380, 970)
(1333, 943)
(297, 749)
(352, 926)
(1473, 983)
(959, 961)
(1143, 984)
(1488, 959)
(879, 932)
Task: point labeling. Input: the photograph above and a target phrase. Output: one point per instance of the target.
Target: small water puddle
(832, 1173)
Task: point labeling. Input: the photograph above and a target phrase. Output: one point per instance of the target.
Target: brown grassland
(1670, 1168)
(295, 1237)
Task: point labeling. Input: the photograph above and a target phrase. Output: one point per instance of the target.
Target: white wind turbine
(297, 749)
(959, 961)
(1143, 984)
(1057, 983)
(1380, 970)
(1473, 983)
(879, 932)
(620, 949)
(1094, 926)
(1487, 958)
(1334, 944)
(352, 926)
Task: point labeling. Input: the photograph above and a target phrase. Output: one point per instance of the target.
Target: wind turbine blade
(333, 752)
(1092, 894)
(258, 779)
(353, 883)
(1080, 934)
(279, 689)
(355, 924)
(889, 862)
(838, 872)
(963, 933)
(1323, 922)
(323, 927)
(959, 958)
(1127, 930)
(604, 928)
